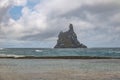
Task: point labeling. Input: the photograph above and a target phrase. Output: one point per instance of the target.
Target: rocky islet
(68, 39)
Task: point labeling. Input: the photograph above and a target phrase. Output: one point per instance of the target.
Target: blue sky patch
(32, 3)
(15, 12)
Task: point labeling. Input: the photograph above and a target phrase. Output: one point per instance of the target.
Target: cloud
(93, 20)
(7, 24)
(5, 5)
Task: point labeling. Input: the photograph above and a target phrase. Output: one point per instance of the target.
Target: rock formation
(68, 39)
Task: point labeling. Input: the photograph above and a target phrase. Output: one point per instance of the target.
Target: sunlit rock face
(68, 39)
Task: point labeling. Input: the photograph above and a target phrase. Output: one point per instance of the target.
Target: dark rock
(68, 39)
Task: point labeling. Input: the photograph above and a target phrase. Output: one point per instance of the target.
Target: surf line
(56, 57)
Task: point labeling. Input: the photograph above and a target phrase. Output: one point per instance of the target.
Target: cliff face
(68, 39)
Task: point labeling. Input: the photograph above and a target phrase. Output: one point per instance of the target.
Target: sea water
(38, 52)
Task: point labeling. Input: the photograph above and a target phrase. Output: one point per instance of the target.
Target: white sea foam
(114, 52)
(11, 55)
(1, 48)
(38, 50)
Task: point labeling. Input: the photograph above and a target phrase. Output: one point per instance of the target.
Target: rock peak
(68, 39)
(71, 27)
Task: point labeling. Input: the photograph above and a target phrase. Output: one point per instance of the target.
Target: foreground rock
(69, 39)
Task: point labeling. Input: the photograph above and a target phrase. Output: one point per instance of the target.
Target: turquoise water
(38, 52)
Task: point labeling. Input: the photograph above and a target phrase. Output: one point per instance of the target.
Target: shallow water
(48, 69)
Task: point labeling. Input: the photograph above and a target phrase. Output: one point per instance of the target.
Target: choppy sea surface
(38, 52)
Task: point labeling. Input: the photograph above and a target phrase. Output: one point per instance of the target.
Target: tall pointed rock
(68, 39)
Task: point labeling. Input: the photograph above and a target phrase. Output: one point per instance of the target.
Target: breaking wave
(11, 55)
(1, 48)
(38, 50)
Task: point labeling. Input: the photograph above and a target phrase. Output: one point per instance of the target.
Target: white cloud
(116, 18)
(92, 18)
(19, 2)
(5, 5)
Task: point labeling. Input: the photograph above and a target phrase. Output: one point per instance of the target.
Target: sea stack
(68, 39)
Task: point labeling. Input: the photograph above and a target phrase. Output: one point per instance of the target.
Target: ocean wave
(53, 57)
(11, 55)
(38, 50)
(1, 48)
(117, 52)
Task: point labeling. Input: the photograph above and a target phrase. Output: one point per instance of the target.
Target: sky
(37, 23)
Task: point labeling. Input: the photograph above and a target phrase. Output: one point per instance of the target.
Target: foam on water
(11, 55)
(38, 50)
(1, 48)
(115, 52)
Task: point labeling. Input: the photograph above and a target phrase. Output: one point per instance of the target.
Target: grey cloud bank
(96, 22)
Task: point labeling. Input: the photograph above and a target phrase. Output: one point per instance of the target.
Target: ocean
(43, 52)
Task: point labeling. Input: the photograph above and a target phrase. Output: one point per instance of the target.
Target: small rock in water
(68, 39)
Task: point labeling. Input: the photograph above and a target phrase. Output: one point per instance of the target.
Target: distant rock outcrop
(68, 39)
